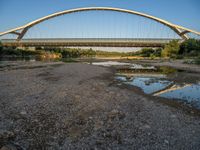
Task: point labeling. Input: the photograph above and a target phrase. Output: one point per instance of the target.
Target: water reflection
(110, 63)
(188, 92)
(162, 82)
(150, 85)
(7, 59)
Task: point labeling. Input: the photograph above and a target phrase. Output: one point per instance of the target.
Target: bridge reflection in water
(162, 82)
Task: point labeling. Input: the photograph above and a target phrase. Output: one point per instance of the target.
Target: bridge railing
(89, 40)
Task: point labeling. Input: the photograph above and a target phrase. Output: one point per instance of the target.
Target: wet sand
(80, 106)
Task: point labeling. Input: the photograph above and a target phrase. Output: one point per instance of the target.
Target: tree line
(174, 49)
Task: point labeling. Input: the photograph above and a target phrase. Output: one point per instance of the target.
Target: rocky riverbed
(78, 106)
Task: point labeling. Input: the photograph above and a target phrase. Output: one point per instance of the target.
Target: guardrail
(88, 42)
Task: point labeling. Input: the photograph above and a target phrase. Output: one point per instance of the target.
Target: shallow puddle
(110, 63)
(187, 92)
(148, 85)
(163, 82)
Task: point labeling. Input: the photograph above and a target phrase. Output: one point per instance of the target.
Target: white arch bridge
(21, 31)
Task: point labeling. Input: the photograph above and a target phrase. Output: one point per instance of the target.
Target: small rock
(35, 120)
(173, 116)
(148, 133)
(98, 124)
(111, 93)
(115, 113)
(90, 118)
(6, 134)
(146, 126)
(99, 142)
(118, 95)
(192, 112)
(166, 141)
(23, 113)
(77, 96)
(107, 135)
(8, 147)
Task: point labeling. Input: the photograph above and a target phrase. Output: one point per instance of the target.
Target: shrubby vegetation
(149, 52)
(197, 60)
(190, 47)
(1, 47)
(72, 52)
(112, 54)
(171, 49)
(77, 52)
(12, 51)
(174, 49)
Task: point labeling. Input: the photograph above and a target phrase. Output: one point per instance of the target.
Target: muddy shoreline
(80, 106)
(177, 64)
(176, 103)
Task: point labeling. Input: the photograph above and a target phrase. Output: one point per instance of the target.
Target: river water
(167, 82)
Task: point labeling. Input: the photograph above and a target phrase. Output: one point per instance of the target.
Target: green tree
(91, 52)
(1, 46)
(190, 47)
(146, 52)
(150, 52)
(157, 52)
(171, 49)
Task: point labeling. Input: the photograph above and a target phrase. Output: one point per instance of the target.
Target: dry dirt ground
(78, 106)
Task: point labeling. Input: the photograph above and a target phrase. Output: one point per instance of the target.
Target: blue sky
(15, 13)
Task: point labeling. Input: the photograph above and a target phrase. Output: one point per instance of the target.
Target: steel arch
(181, 31)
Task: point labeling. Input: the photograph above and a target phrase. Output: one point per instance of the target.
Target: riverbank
(178, 64)
(59, 105)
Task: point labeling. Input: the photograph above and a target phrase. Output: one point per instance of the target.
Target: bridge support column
(21, 35)
(181, 34)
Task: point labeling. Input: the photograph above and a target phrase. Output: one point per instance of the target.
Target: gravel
(79, 106)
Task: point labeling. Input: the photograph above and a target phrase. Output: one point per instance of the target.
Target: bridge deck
(104, 42)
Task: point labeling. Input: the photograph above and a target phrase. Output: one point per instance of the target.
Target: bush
(71, 53)
(197, 60)
(9, 51)
(1, 47)
(190, 47)
(146, 52)
(171, 49)
(179, 57)
(150, 52)
(157, 52)
(12, 51)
